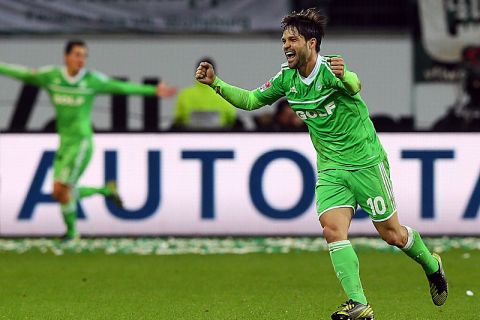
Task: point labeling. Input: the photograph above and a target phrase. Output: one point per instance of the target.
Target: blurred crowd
(464, 115)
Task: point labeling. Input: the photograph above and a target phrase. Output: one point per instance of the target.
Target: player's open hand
(164, 90)
(338, 66)
(205, 73)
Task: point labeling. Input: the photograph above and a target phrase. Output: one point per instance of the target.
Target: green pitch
(299, 284)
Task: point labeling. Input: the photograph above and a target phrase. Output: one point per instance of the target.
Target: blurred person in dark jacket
(464, 115)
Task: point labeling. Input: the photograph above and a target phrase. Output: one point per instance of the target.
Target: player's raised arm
(349, 79)
(238, 97)
(164, 90)
(22, 73)
(108, 85)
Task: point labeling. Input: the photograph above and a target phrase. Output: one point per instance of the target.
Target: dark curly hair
(74, 43)
(310, 23)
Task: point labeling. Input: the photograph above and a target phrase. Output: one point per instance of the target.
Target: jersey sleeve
(271, 90)
(105, 84)
(350, 83)
(36, 77)
(237, 97)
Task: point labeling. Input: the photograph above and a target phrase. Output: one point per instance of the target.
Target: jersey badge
(265, 86)
(293, 90)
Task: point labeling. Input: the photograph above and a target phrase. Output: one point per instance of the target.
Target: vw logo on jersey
(319, 87)
(293, 90)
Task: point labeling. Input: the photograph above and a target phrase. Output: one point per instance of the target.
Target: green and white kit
(351, 162)
(73, 99)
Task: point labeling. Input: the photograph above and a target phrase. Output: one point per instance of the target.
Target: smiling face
(297, 49)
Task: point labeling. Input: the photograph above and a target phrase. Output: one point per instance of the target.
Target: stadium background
(166, 179)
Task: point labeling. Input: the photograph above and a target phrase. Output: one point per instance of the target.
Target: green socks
(69, 212)
(416, 249)
(84, 192)
(346, 266)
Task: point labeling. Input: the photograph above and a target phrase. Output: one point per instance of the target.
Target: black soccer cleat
(438, 284)
(114, 196)
(352, 310)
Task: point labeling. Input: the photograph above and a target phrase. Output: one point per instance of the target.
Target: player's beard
(300, 60)
(296, 62)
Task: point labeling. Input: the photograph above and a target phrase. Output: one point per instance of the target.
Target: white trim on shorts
(78, 161)
(341, 206)
(385, 219)
(387, 184)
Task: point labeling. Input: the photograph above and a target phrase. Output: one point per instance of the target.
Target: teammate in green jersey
(352, 165)
(72, 90)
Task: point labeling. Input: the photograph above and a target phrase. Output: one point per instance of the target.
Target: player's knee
(61, 194)
(393, 238)
(332, 233)
(61, 197)
(56, 194)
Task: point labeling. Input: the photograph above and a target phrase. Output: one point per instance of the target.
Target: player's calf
(394, 237)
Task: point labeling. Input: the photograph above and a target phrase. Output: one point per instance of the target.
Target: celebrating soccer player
(351, 162)
(72, 90)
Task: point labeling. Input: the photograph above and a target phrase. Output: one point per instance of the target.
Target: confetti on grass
(172, 246)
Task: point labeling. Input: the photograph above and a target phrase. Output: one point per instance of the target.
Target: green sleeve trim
(238, 97)
(351, 82)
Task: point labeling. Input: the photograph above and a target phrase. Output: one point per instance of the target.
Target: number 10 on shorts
(377, 205)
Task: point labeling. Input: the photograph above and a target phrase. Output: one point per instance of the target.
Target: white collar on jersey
(70, 79)
(308, 80)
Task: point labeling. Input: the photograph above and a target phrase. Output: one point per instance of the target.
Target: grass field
(294, 285)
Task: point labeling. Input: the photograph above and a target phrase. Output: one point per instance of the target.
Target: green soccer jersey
(337, 117)
(73, 97)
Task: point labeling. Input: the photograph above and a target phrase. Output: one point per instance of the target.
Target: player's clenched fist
(337, 65)
(205, 73)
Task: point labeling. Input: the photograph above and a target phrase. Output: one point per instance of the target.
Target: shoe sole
(348, 318)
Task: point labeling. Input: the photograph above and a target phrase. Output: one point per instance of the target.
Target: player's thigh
(71, 161)
(60, 167)
(373, 191)
(331, 192)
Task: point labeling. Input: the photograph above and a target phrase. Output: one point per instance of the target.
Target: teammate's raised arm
(109, 85)
(22, 73)
(164, 90)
